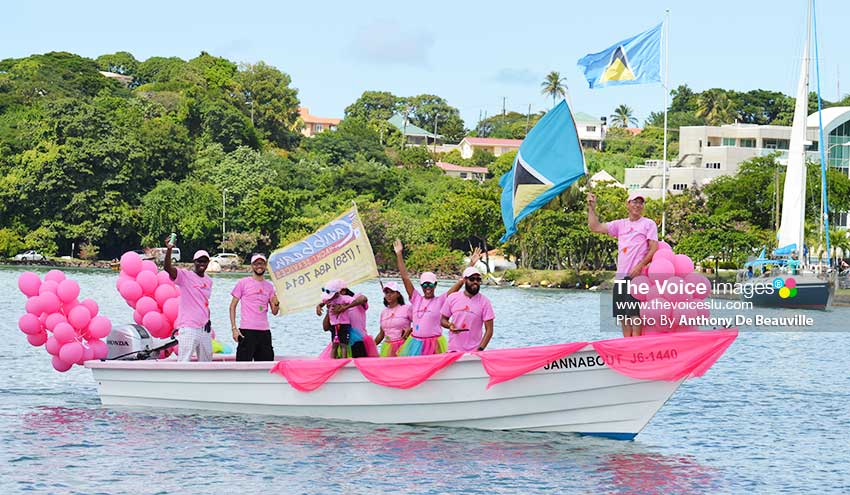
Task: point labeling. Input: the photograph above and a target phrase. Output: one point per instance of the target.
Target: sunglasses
(328, 291)
(474, 279)
(428, 285)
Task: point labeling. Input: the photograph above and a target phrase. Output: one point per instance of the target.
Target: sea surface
(771, 416)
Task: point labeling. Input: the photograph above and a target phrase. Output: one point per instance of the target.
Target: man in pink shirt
(637, 241)
(257, 296)
(193, 315)
(464, 313)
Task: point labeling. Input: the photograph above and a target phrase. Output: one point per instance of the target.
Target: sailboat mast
(824, 220)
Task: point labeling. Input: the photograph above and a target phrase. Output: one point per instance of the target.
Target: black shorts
(255, 345)
(624, 303)
(340, 333)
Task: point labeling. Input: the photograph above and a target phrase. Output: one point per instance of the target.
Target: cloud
(387, 42)
(518, 77)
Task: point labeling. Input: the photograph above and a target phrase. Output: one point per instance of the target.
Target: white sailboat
(808, 287)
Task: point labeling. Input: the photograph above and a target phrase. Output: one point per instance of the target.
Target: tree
(119, 62)
(623, 116)
(554, 85)
(353, 137)
(714, 106)
(374, 105)
(271, 103)
(426, 109)
(190, 209)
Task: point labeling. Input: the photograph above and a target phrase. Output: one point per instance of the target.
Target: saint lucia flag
(636, 60)
(548, 161)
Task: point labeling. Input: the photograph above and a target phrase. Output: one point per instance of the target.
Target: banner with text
(340, 249)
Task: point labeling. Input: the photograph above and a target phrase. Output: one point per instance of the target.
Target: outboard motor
(133, 342)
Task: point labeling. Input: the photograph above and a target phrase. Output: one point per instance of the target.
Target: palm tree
(554, 85)
(623, 116)
(714, 106)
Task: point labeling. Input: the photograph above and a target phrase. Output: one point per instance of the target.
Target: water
(770, 417)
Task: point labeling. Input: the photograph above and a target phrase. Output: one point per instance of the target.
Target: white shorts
(194, 340)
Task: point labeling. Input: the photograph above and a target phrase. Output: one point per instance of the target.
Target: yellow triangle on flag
(526, 193)
(618, 69)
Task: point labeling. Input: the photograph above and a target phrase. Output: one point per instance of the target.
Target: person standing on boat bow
(464, 313)
(193, 315)
(426, 337)
(257, 295)
(637, 241)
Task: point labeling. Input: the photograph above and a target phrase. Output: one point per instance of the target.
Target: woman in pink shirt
(346, 314)
(426, 337)
(395, 321)
(637, 241)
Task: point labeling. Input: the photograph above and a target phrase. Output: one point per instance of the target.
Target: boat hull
(810, 295)
(594, 400)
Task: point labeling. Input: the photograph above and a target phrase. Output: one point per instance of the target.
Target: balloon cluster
(70, 330)
(152, 294)
(674, 290)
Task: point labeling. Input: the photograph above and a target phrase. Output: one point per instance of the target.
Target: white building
(497, 146)
(591, 131)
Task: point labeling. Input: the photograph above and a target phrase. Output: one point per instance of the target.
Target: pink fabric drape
(506, 364)
(308, 374)
(671, 356)
(404, 372)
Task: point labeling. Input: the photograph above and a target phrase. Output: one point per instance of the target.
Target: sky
(476, 55)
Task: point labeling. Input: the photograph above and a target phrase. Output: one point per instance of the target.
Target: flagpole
(664, 155)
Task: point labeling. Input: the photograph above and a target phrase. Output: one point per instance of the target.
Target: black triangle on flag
(528, 185)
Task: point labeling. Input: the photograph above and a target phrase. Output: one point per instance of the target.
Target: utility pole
(528, 119)
(223, 207)
(435, 136)
(504, 98)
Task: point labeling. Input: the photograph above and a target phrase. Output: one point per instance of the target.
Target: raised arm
(402, 268)
(473, 259)
(167, 266)
(592, 219)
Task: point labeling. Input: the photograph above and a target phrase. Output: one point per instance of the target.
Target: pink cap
(427, 277)
(636, 195)
(200, 254)
(258, 256)
(336, 285)
(327, 297)
(391, 286)
(470, 271)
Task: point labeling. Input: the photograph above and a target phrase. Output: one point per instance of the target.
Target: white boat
(577, 394)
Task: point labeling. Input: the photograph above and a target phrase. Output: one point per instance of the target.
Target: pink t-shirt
(195, 291)
(631, 241)
(467, 312)
(394, 321)
(344, 317)
(425, 314)
(357, 315)
(254, 297)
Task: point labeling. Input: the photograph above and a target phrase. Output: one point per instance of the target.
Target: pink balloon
(99, 349)
(131, 263)
(48, 286)
(50, 302)
(164, 278)
(64, 333)
(37, 339)
(52, 346)
(137, 317)
(68, 290)
(88, 354)
(665, 254)
(79, 317)
(147, 281)
(28, 283)
(60, 365)
(640, 282)
(122, 277)
(149, 266)
(701, 285)
(54, 275)
(91, 305)
(682, 264)
(171, 308)
(673, 289)
(146, 304)
(71, 352)
(663, 246)
(34, 305)
(660, 269)
(655, 309)
(153, 321)
(131, 291)
(29, 324)
(164, 293)
(100, 327)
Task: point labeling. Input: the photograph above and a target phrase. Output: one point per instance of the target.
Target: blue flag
(548, 161)
(636, 60)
